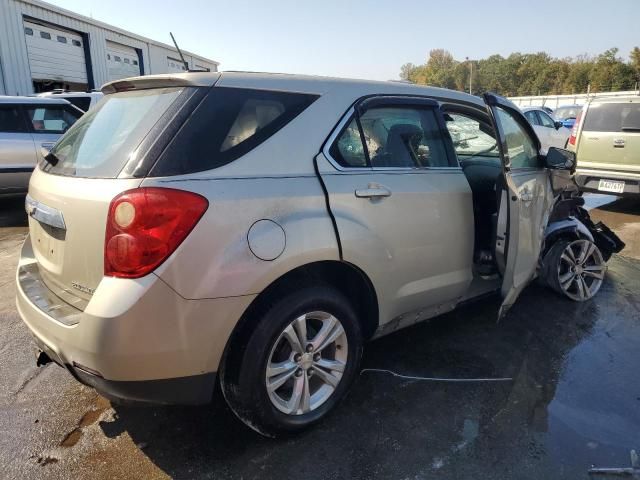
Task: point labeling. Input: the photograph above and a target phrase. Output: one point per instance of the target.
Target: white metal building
(43, 47)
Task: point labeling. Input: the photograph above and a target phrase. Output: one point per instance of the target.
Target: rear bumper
(136, 340)
(588, 180)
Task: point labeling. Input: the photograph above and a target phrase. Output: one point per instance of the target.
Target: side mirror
(558, 124)
(560, 159)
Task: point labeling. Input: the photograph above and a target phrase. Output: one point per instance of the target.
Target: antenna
(186, 65)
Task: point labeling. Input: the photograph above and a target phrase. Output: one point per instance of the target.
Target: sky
(370, 38)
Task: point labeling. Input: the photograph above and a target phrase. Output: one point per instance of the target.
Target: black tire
(243, 380)
(550, 265)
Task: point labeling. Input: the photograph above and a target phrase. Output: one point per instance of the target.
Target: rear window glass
(100, 143)
(228, 123)
(562, 113)
(612, 117)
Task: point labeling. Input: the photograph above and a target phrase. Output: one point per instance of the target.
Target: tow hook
(42, 358)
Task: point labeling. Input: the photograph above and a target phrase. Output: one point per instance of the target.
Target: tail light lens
(574, 130)
(145, 226)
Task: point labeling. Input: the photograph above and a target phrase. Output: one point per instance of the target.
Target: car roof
(621, 99)
(4, 99)
(569, 106)
(530, 108)
(289, 82)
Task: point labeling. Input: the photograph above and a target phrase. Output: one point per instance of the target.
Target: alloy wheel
(581, 270)
(306, 363)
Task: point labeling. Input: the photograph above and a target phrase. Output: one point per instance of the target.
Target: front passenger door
(526, 199)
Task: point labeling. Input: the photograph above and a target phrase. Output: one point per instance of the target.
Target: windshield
(471, 137)
(99, 144)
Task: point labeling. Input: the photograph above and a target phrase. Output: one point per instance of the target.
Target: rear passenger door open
(525, 199)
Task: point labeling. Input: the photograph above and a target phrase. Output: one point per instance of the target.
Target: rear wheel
(575, 268)
(298, 363)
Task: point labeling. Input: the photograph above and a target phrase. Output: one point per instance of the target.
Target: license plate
(611, 186)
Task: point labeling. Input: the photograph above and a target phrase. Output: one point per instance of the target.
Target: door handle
(373, 192)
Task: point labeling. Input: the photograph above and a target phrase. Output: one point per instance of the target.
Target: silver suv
(252, 231)
(27, 126)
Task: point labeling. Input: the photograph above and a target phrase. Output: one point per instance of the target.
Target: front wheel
(297, 364)
(575, 268)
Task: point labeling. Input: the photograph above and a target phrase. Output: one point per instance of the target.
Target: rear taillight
(574, 130)
(145, 226)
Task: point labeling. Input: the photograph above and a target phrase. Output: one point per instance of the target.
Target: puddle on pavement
(89, 418)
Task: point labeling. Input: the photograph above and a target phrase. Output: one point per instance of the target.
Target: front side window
(11, 120)
(471, 137)
(546, 120)
(521, 149)
(395, 137)
(229, 123)
(51, 118)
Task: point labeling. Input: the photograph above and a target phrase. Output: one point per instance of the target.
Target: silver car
(252, 231)
(27, 125)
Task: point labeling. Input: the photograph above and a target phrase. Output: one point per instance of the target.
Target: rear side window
(612, 117)
(395, 137)
(51, 118)
(100, 143)
(228, 123)
(11, 120)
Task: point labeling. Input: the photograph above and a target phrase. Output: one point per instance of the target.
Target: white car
(550, 132)
(83, 100)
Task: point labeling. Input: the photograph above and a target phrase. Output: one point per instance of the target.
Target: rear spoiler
(191, 79)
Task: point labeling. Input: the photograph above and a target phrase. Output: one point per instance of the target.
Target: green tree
(610, 73)
(635, 61)
(528, 73)
(406, 71)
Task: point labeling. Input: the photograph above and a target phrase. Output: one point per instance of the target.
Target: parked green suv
(606, 139)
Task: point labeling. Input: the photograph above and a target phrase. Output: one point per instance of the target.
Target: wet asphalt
(573, 400)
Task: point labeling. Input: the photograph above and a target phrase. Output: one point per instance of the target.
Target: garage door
(55, 56)
(122, 61)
